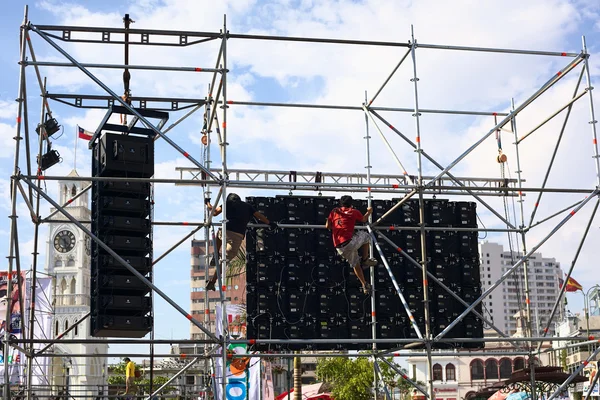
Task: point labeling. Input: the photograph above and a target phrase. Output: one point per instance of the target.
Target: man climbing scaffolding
(341, 222)
(238, 215)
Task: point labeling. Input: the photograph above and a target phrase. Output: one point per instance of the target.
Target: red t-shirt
(342, 221)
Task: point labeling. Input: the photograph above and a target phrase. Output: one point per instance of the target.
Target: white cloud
(8, 110)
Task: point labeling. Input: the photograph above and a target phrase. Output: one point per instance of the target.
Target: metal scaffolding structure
(27, 179)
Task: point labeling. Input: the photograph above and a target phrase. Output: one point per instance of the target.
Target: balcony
(69, 300)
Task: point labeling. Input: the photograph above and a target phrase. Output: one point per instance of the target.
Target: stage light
(51, 126)
(49, 159)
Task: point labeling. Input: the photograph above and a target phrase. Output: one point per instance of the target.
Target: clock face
(64, 241)
(88, 245)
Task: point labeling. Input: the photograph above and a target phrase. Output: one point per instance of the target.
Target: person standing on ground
(238, 215)
(341, 222)
(129, 376)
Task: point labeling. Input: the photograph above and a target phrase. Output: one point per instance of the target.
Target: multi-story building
(575, 326)
(461, 375)
(508, 298)
(235, 293)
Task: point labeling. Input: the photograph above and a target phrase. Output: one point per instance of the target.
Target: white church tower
(69, 262)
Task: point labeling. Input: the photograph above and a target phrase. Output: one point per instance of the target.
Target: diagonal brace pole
(574, 374)
(385, 140)
(123, 103)
(568, 105)
(436, 280)
(434, 162)
(120, 259)
(171, 379)
(557, 77)
(53, 213)
(62, 334)
(395, 207)
(378, 371)
(404, 376)
(517, 265)
(391, 74)
(564, 287)
(396, 286)
(558, 142)
(554, 215)
(591, 388)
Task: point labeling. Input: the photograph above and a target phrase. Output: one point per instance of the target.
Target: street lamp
(586, 307)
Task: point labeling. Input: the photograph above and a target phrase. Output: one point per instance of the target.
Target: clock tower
(69, 261)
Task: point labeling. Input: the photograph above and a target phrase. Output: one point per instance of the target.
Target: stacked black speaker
(121, 303)
(299, 288)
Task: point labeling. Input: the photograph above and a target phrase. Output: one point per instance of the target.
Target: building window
(476, 370)
(491, 369)
(450, 372)
(437, 372)
(519, 364)
(505, 368)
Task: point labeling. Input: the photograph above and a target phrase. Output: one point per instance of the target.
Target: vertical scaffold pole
(225, 329)
(416, 115)
(206, 317)
(371, 270)
(529, 325)
(35, 243)
(593, 121)
(13, 215)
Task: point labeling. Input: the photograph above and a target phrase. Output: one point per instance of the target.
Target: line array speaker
(121, 304)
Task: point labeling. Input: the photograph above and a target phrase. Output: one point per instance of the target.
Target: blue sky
(285, 139)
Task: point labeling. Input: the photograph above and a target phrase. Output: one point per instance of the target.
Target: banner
(242, 380)
(267, 381)
(17, 362)
(590, 372)
(42, 327)
(14, 324)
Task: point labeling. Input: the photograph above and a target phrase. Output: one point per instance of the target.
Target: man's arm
(365, 217)
(261, 218)
(327, 224)
(216, 211)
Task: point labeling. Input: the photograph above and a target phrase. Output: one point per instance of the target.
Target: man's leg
(359, 274)
(350, 254)
(232, 247)
(365, 239)
(210, 284)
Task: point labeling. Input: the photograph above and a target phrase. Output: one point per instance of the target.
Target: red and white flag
(83, 134)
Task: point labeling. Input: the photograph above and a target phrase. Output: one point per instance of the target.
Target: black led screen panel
(298, 287)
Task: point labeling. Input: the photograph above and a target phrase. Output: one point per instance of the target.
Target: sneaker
(369, 262)
(210, 285)
(367, 289)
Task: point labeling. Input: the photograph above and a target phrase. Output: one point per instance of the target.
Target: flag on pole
(83, 134)
(572, 285)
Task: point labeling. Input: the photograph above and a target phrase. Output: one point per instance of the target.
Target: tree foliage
(117, 378)
(352, 378)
